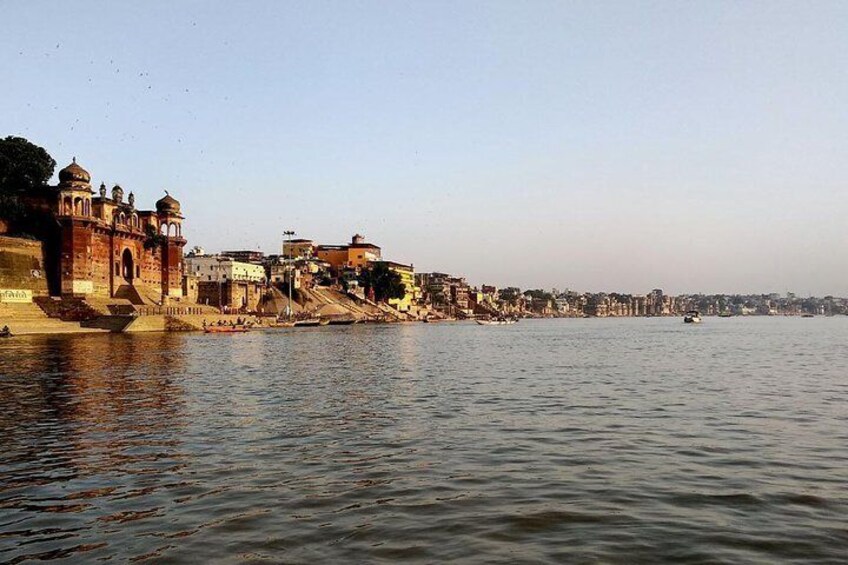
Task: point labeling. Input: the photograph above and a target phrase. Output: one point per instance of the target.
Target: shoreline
(193, 324)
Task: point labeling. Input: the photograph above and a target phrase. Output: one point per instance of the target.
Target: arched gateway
(127, 266)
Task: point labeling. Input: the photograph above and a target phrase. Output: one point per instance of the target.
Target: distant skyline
(602, 146)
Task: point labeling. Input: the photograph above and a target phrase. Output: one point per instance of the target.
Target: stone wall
(237, 295)
(22, 265)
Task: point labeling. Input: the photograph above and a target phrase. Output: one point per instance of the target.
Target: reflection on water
(587, 440)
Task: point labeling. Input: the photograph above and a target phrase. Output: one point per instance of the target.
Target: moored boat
(497, 322)
(225, 329)
(342, 321)
(692, 317)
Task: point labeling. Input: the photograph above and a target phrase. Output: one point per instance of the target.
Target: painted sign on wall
(18, 296)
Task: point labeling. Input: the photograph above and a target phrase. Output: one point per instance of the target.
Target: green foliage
(510, 294)
(11, 208)
(153, 239)
(538, 294)
(23, 165)
(385, 283)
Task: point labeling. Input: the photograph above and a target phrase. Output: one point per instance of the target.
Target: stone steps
(30, 319)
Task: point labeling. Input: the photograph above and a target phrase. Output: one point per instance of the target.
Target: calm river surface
(636, 440)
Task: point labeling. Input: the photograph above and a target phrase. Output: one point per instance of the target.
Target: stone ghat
(25, 319)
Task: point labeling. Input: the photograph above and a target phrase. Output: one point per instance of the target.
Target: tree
(385, 283)
(510, 294)
(23, 165)
(153, 240)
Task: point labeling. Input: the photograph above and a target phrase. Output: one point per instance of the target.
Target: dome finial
(74, 159)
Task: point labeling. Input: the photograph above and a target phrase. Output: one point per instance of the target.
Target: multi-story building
(459, 294)
(357, 254)
(245, 256)
(226, 283)
(104, 246)
(436, 289)
(409, 302)
(298, 249)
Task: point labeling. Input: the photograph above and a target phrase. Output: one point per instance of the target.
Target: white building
(222, 269)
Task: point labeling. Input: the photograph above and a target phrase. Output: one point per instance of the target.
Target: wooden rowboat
(225, 329)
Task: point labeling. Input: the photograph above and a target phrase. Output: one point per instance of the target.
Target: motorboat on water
(6, 332)
(497, 322)
(692, 317)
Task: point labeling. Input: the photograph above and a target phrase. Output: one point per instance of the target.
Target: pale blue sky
(695, 146)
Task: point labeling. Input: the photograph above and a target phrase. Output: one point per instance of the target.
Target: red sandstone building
(105, 247)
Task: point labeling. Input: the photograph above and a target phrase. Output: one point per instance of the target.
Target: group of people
(239, 322)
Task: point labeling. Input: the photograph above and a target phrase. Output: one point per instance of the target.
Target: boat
(497, 322)
(692, 317)
(345, 321)
(307, 322)
(225, 329)
(725, 314)
(808, 315)
(6, 332)
(281, 324)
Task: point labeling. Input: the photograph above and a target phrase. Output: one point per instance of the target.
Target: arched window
(86, 207)
(163, 229)
(68, 207)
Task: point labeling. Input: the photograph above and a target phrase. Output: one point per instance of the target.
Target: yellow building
(298, 249)
(413, 293)
(355, 255)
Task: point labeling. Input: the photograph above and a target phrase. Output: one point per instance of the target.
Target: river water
(620, 441)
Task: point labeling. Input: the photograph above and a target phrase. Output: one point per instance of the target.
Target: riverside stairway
(31, 319)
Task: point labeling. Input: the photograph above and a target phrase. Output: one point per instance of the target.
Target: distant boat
(497, 322)
(807, 315)
(6, 332)
(344, 321)
(725, 315)
(692, 317)
(308, 322)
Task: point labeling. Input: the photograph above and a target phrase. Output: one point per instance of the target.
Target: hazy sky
(694, 146)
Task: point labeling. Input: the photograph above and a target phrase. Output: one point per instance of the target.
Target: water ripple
(550, 441)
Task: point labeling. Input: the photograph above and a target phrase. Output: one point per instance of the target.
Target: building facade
(99, 245)
(226, 283)
(355, 255)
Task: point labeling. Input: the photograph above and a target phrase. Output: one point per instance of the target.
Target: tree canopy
(23, 165)
(383, 281)
(510, 293)
(153, 240)
(539, 294)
